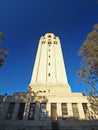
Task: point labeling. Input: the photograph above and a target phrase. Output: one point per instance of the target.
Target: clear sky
(23, 22)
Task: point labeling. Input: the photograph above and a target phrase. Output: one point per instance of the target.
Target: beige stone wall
(58, 98)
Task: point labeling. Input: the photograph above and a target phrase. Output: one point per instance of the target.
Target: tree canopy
(89, 54)
(89, 66)
(3, 53)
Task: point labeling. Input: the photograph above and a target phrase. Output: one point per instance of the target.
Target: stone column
(81, 112)
(48, 110)
(4, 110)
(59, 111)
(26, 111)
(90, 113)
(15, 112)
(37, 111)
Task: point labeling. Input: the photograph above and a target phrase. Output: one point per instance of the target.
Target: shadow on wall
(28, 111)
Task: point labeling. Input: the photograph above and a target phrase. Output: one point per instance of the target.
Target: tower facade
(49, 69)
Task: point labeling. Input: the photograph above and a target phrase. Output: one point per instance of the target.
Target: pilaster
(59, 111)
(26, 111)
(48, 109)
(4, 110)
(37, 112)
(15, 112)
(81, 112)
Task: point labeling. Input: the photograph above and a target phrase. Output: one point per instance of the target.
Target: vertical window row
(64, 110)
(43, 111)
(75, 110)
(53, 111)
(32, 108)
(49, 43)
(10, 111)
(86, 111)
(21, 111)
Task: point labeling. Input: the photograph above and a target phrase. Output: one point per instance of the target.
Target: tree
(89, 66)
(3, 53)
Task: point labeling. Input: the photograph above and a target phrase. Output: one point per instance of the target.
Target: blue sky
(23, 22)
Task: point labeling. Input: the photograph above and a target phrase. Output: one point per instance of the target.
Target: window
(43, 111)
(48, 63)
(55, 42)
(49, 49)
(49, 56)
(21, 111)
(49, 42)
(75, 110)
(10, 111)
(86, 111)
(53, 111)
(43, 42)
(48, 74)
(49, 36)
(64, 110)
(31, 115)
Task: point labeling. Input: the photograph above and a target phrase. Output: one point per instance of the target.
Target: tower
(49, 69)
(49, 103)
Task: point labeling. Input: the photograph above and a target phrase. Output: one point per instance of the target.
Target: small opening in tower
(49, 49)
(49, 42)
(48, 63)
(43, 42)
(48, 74)
(55, 42)
(49, 36)
(49, 56)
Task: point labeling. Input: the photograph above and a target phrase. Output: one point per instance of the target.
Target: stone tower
(49, 103)
(49, 69)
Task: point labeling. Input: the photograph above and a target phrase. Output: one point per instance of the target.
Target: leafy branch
(3, 53)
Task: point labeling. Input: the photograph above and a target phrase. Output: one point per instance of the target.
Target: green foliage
(89, 54)
(1, 61)
(3, 53)
(89, 66)
(1, 37)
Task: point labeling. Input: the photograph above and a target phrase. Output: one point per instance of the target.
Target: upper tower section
(49, 64)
